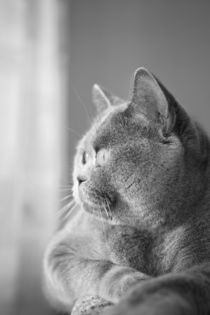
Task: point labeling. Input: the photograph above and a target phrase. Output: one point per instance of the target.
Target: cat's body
(142, 219)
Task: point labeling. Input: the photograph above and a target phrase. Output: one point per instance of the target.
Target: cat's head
(138, 161)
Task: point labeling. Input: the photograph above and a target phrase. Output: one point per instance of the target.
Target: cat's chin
(98, 211)
(97, 204)
(105, 207)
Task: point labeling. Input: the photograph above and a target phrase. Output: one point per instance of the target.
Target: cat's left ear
(150, 98)
(103, 99)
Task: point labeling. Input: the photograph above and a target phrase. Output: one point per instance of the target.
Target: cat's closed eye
(102, 157)
(85, 157)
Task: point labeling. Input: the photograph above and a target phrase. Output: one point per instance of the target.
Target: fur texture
(140, 232)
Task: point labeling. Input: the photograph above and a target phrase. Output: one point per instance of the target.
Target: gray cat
(140, 228)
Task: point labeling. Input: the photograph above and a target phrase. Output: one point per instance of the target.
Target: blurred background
(51, 53)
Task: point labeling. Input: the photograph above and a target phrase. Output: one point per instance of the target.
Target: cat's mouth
(97, 203)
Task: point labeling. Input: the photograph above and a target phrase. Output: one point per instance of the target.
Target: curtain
(31, 116)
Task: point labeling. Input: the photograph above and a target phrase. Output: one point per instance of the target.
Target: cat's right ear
(150, 98)
(100, 98)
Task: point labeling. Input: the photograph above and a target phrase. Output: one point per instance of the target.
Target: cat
(138, 238)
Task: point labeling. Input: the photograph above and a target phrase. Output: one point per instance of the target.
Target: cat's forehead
(110, 126)
(103, 128)
(114, 127)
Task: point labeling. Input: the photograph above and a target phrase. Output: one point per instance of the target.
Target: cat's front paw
(90, 305)
(121, 284)
(126, 285)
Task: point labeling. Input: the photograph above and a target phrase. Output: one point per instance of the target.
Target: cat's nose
(80, 179)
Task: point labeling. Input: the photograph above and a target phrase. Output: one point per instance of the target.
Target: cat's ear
(103, 99)
(150, 98)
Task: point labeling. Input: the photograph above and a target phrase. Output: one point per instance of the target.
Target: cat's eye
(102, 157)
(84, 157)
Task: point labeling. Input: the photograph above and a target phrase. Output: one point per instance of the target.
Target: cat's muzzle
(97, 202)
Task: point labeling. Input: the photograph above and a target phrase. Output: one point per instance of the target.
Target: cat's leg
(73, 269)
(184, 293)
(90, 305)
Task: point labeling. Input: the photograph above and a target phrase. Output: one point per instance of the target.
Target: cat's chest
(126, 245)
(139, 249)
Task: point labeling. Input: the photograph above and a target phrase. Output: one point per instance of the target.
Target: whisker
(102, 222)
(67, 206)
(66, 188)
(67, 185)
(110, 212)
(66, 197)
(81, 102)
(64, 213)
(104, 206)
(69, 189)
(73, 131)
